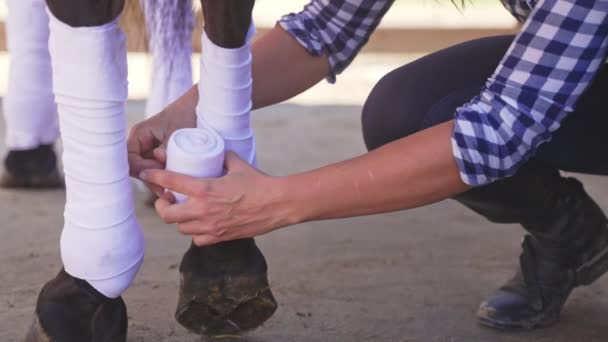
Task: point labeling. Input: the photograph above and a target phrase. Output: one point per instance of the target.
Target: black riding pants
(427, 92)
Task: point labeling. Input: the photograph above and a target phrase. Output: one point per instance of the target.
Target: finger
(232, 162)
(168, 195)
(194, 227)
(161, 206)
(160, 154)
(137, 164)
(205, 240)
(174, 181)
(155, 189)
(171, 212)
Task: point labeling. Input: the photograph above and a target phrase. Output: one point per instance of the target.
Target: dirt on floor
(410, 276)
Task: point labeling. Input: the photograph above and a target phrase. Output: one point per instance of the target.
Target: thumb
(160, 154)
(232, 162)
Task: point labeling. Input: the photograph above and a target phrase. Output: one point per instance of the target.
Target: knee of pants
(390, 112)
(83, 13)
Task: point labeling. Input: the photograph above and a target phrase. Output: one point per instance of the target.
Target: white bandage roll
(102, 241)
(29, 105)
(196, 152)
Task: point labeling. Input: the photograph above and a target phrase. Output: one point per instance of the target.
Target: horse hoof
(31, 169)
(224, 289)
(69, 309)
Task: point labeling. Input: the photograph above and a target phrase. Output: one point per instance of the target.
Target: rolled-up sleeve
(335, 28)
(549, 65)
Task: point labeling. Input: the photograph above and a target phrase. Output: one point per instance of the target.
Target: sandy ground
(408, 276)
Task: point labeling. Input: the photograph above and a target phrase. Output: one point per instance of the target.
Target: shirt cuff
(490, 141)
(307, 34)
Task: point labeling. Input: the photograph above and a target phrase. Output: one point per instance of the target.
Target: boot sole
(503, 326)
(593, 269)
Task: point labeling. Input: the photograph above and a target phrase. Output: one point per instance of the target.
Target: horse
(223, 288)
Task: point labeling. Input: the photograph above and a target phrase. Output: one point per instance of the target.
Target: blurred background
(411, 28)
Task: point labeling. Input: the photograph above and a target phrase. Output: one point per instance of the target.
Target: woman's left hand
(244, 203)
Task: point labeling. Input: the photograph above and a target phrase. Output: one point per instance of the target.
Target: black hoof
(224, 289)
(31, 169)
(70, 310)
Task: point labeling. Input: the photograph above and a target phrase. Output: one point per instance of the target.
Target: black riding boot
(567, 244)
(70, 310)
(35, 169)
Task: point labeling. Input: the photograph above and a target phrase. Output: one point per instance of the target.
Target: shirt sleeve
(336, 28)
(548, 66)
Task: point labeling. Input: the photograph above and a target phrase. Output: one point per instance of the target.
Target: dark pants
(427, 92)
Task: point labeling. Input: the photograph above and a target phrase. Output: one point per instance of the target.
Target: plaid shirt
(552, 60)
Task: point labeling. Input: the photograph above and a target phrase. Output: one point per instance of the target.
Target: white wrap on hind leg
(224, 107)
(101, 242)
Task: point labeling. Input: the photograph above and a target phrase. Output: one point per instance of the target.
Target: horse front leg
(224, 288)
(101, 243)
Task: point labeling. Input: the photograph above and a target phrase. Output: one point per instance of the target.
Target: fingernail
(143, 175)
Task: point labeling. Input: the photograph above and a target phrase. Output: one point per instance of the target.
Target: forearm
(281, 69)
(407, 173)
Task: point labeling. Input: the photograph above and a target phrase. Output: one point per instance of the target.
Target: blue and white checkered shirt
(552, 60)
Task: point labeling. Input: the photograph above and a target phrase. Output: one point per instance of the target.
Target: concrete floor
(408, 276)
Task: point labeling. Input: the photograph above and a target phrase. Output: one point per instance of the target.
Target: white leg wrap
(225, 95)
(101, 241)
(29, 105)
(171, 52)
(224, 107)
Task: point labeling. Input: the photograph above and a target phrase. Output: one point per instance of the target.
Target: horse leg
(224, 288)
(101, 242)
(29, 106)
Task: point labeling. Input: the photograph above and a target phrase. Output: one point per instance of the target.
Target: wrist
(296, 203)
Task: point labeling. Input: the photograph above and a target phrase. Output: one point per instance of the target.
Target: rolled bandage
(101, 241)
(29, 105)
(196, 152)
(225, 92)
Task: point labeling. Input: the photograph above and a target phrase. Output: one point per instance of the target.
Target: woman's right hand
(147, 140)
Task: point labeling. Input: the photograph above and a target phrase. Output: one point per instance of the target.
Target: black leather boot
(567, 244)
(224, 289)
(70, 310)
(34, 169)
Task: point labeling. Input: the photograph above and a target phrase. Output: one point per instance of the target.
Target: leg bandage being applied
(224, 288)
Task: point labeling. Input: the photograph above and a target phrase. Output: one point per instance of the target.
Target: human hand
(146, 144)
(244, 203)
